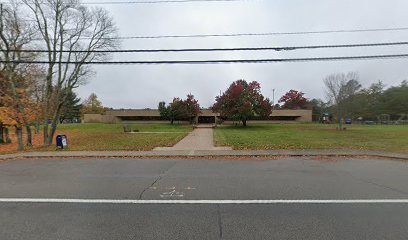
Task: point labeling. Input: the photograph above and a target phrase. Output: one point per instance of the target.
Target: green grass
(314, 136)
(112, 137)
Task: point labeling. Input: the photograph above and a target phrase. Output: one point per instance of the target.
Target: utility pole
(273, 98)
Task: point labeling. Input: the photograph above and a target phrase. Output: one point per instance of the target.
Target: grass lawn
(392, 138)
(99, 137)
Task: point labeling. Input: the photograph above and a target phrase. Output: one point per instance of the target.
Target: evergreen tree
(71, 110)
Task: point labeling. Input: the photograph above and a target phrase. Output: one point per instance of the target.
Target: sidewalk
(207, 153)
(201, 138)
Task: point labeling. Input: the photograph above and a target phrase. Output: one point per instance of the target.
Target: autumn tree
(3, 109)
(175, 110)
(6, 115)
(180, 109)
(6, 119)
(192, 107)
(74, 36)
(293, 100)
(241, 101)
(92, 105)
(20, 110)
(15, 35)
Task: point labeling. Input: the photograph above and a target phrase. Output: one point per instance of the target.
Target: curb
(205, 153)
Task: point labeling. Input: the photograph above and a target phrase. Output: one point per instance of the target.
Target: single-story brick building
(206, 116)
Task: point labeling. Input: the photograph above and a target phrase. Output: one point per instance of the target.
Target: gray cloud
(139, 86)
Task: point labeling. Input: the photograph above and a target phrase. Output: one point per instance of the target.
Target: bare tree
(339, 88)
(38, 93)
(66, 27)
(15, 34)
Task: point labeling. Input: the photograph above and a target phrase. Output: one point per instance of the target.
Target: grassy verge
(100, 137)
(314, 136)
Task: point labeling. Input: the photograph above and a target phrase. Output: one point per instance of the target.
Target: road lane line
(129, 201)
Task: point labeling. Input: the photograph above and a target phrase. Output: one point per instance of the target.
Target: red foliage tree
(192, 106)
(293, 100)
(241, 101)
(180, 109)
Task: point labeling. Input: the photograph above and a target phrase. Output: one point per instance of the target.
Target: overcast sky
(143, 86)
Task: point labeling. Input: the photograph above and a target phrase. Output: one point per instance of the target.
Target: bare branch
(62, 24)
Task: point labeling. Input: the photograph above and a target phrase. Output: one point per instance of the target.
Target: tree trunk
(20, 110)
(339, 118)
(45, 131)
(29, 135)
(19, 133)
(52, 132)
(171, 121)
(54, 124)
(37, 127)
(53, 129)
(47, 105)
(244, 122)
(6, 135)
(1, 133)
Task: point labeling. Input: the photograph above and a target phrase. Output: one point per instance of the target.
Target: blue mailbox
(62, 141)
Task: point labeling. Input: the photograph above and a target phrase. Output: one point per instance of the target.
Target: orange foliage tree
(16, 97)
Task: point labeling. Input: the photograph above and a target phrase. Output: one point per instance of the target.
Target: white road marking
(171, 188)
(129, 201)
(173, 193)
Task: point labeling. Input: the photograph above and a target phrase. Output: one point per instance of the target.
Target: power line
(289, 48)
(267, 60)
(160, 1)
(253, 34)
(266, 33)
(151, 2)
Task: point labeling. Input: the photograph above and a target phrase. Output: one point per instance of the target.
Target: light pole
(273, 98)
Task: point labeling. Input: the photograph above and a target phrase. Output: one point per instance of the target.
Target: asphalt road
(169, 179)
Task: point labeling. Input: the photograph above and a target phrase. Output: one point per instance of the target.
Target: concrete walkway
(201, 138)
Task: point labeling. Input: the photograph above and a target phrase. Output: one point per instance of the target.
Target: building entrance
(206, 119)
